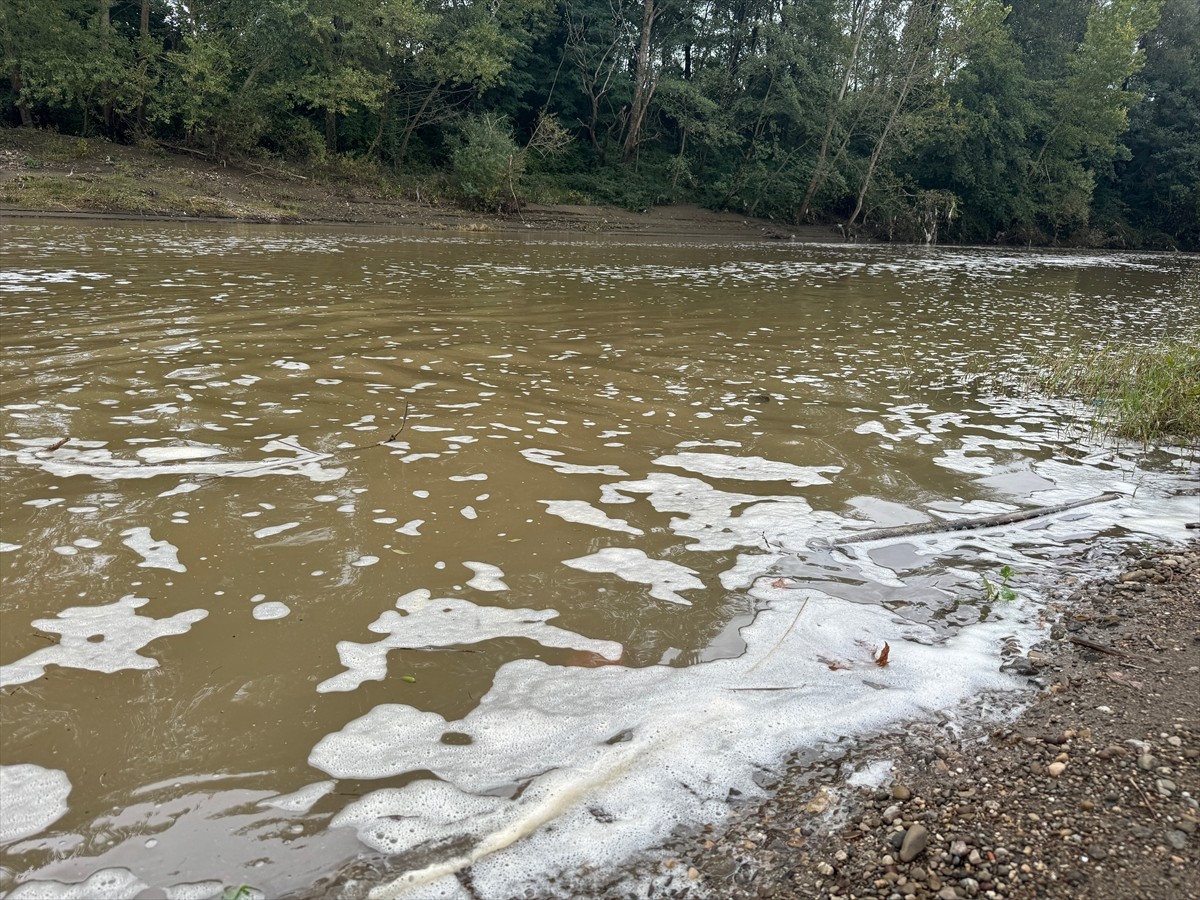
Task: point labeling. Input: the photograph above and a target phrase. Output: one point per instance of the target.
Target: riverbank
(1091, 791)
(44, 174)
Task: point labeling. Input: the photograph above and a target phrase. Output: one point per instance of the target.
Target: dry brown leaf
(779, 583)
(834, 664)
(882, 659)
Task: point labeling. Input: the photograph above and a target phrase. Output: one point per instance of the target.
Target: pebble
(1177, 839)
(915, 841)
(900, 792)
(1147, 761)
(1056, 768)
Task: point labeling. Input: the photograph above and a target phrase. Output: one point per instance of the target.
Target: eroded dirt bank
(1090, 792)
(44, 174)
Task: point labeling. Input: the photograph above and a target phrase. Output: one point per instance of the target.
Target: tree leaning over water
(1034, 121)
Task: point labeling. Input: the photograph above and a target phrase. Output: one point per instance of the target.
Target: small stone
(1175, 741)
(693, 873)
(1147, 762)
(1188, 826)
(825, 868)
(959, 848)
(1056, 768)
(891, 814)
(974, 858)
(947, 893)
(916, 873)
(1176, 838)
(915, 841)
(1165, 786)
(900, 792)
(1096, 852)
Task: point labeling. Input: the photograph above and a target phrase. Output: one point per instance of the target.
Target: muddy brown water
(626, 432)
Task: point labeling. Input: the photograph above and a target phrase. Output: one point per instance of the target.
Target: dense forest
(1040, 121)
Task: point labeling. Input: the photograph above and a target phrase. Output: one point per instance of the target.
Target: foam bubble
(487, 577)
(272, 609)
(584, 513)
(34, 799)
(155, 554)
(103, 638)
(107, 884)
(749, 468)
(663, 576)
(275, 529)
(429, 622)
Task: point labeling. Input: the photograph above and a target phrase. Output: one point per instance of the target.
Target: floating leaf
(882, 659)
(409, 678)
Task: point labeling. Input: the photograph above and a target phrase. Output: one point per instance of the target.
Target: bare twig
(1100, 648)
(1145, 799)
(782, 639)
(965, 524)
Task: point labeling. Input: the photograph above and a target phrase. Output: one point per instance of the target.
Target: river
(440, 551)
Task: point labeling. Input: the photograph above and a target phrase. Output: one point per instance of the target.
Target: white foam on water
(664, 577)
(583, 513)
(107, 884)
(749, 468)
(272, 609)
(412, 529)
(155, 554)
(173, 454)
(302, 800)
(34, 798)
(363, 561)
(487, 577)
(9, 548)
(291, 365)
(423, 621)
(90, 458)
(618, 757)
(103, 638)
(275, 529)
(468, 512)
(550, 458)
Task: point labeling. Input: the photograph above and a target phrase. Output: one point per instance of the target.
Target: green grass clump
(1149, 393)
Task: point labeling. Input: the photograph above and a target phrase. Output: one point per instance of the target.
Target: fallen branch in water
(969, 524)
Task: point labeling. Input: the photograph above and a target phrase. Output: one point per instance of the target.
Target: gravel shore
(1090, 791)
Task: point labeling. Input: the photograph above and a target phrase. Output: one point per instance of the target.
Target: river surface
(494, 560)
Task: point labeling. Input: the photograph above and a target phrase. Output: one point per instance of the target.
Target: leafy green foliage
(1050, 120)
(487, 164)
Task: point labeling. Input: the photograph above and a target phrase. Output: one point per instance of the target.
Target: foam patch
(664, 577)
(431, 622)
(107, 884)
(34, 799)
(103, 638)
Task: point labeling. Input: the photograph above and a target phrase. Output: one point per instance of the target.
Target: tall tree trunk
(330, 130)
(415, 121)
(143, 62)
(819, 173)
(105, 30)
(14, 78)
(645, 80)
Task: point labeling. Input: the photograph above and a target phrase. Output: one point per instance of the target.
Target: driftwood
(969, 524)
